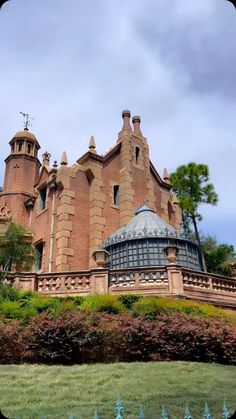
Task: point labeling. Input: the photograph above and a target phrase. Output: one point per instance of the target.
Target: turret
(21, 174)
(22, 165)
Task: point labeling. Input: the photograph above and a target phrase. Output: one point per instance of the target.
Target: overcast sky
(75, 65)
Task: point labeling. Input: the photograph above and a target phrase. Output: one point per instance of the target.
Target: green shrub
(151, 306)
(12, 310)
(26, 297)
(8, 293)
(103, 303)
(128, 300)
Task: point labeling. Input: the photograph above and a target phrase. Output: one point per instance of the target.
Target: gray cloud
(76, 65)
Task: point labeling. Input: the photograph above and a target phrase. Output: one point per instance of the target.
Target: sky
(75, 65)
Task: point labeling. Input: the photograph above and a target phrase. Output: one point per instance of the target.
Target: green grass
(30, 391)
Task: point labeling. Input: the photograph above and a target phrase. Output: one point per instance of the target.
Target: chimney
(136, 122)
(126, 124)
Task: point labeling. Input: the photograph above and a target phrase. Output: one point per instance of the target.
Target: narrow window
(29, 148)
(42, 198)
(137, 155)
(38, 256)
(20, 145)
(116, 195)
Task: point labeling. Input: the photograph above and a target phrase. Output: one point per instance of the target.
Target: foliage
(22, 306)
(100, 337)
(11, 343)
(151, 306)
(15, 252)
(8, 293)
(103, 303)
(192, 188)
(217, 256)
(128, 300)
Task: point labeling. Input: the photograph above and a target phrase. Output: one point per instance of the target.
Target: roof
(25, 135)
(144, 224)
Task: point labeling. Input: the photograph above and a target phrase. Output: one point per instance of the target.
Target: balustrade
(64, 283)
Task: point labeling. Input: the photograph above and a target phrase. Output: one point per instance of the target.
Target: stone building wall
(81, 206)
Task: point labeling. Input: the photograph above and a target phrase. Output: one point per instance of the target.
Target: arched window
(20, 146)
(29, 147)
(137, 155)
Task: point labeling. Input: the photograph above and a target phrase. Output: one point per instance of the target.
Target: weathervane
(26, 121)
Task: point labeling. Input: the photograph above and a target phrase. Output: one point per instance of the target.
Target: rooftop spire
(64, 160)
(92, 145)
(136, 122)
(166, 176)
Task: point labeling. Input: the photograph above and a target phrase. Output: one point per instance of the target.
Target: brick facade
(72, 210)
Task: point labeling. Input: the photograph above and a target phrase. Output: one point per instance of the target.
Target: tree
(190, 183)
(16, 251)
(217, 256)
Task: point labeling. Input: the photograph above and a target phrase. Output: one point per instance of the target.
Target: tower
(21, 173)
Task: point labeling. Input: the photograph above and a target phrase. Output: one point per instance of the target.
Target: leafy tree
(15, 250)
(191, 185)
(217, 256)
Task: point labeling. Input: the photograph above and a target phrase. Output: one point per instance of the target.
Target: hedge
(87, 337)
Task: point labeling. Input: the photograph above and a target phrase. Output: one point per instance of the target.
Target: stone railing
(170, 280)
(209, 287)
(139, 280)
(64, 283)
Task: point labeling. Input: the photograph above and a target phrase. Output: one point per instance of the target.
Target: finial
(126, 117)
(64, 160)
(92, 145)
(46, 158)
(55, 164)
(27, 120)
(136, 122)
(166, 176)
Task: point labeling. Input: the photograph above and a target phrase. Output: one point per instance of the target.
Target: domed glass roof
(145, 224)
(143, 240)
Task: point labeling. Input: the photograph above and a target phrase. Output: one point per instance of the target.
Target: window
(20, 145)
(29, 147)
(137, 155)
(42, 198)
(116, 195)
(38, 256)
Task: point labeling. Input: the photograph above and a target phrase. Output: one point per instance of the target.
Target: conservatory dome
(142, 241)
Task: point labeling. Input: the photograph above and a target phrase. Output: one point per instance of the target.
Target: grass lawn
(31, 391)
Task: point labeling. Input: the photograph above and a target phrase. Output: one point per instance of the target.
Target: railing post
(175, 279)
(25, 282)
(99, 281)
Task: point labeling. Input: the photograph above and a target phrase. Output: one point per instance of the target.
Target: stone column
(175, 280)
(99, 281)
(174, 271)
